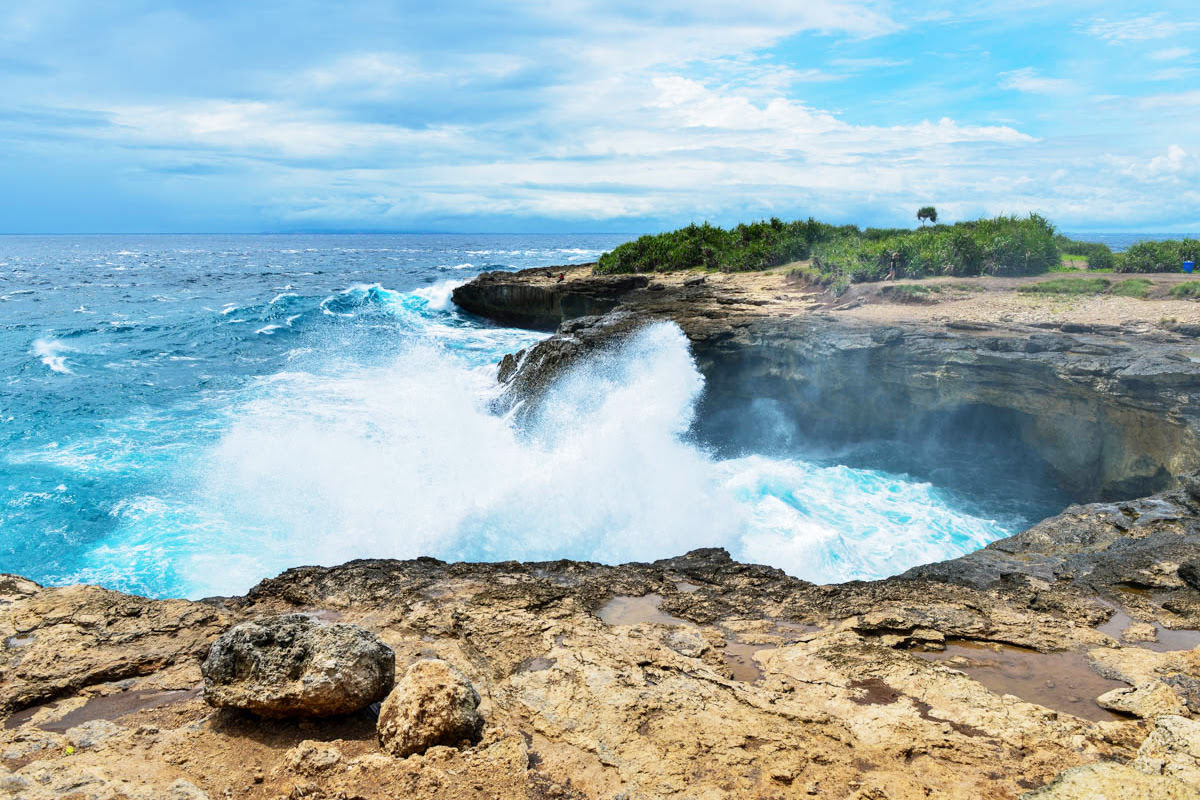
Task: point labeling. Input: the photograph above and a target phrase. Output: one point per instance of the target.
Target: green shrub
(1186, 291)
(1068, 286)
(1164, 256)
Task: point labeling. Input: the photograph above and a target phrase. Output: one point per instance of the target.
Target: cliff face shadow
(975, 452)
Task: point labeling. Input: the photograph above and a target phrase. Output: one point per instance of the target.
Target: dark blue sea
(187, 415)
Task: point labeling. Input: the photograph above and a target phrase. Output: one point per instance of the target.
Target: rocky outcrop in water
(695, 676)
(294, 666)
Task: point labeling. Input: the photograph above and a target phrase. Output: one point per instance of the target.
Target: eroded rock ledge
(690, 677)
(1107, 411)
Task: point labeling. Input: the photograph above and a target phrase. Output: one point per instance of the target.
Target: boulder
(294, 666)
(433, 704)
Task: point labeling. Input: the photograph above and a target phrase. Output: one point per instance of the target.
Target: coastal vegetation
(839, 255)
(843, 254)
(1158, 256)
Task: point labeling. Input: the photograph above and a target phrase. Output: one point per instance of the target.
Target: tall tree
(927, 213)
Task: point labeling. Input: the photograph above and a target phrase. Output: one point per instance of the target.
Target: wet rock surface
(695, 676)
(291, 665)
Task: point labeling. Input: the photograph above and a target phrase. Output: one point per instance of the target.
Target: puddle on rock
(1059, 681)
(107, 707)
(1167, 639)
(687, 588)
(623, 610)
(739, 653)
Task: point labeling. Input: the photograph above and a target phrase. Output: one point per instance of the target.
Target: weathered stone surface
(292, 665)
(1113, 782)
(1146, 700)
(53, 642)
(433, 704)
(1172, 749)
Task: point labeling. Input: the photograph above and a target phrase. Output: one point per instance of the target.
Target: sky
(574, 116)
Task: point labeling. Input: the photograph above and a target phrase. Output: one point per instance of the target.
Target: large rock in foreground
(293, 666)
(434, 704)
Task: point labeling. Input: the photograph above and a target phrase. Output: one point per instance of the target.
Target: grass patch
(1186, 291)
(1134, 287)
(910, 292)
(1068, 286)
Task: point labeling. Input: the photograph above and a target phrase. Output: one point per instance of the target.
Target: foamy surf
(52, 352)
(406, 459)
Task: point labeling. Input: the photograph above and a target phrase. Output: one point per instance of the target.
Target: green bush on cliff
(1164, 256)
(845, 254)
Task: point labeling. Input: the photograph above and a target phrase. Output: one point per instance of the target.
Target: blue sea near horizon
(1119, 242)
(187, 415)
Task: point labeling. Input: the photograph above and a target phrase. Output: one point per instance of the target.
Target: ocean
(183, 416)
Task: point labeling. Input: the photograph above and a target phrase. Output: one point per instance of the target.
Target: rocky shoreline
(1057, 663)
(690, 677)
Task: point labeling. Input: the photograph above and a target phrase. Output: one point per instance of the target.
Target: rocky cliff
(1106, 411)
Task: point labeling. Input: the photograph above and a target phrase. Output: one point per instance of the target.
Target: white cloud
(257, 129)
(1171, 54)
(1174, 162)
(1176, 100)
(1028, 80)
(1140, 29)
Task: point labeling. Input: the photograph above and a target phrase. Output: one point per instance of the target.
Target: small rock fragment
(310, 758)
(686, 643)
(92, 733)
(433, 704)
(294, 666)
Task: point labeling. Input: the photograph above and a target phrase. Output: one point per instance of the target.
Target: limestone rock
(434, 704)
(1110, 781)
(1172, 748)
(292, 665)
(1146, 700)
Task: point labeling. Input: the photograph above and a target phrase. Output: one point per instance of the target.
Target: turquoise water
(186, 415)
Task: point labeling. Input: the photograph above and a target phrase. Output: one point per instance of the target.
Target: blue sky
(141, 116)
